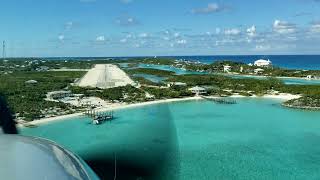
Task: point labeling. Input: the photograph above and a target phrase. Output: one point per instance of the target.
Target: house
(198, 90)
(176, 84)
(258, 71)
(226, 68)
(310, 77)
(262, 63)
(58, 94)
(31, 82)
(42, 68)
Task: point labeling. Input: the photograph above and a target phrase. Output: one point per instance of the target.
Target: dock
(99, 117)
(220, 100)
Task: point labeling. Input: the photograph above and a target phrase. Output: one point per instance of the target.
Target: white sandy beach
(117, 106)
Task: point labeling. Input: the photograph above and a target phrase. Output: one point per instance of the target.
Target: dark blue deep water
(310, 62)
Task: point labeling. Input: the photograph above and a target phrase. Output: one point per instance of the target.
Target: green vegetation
(28, 99)
(145, 81)
(164, 93)
(305, 102)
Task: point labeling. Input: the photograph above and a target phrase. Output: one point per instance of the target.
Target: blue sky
(159, 27)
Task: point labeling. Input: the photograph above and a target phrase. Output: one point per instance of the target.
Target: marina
(220, 100)
(99, 117)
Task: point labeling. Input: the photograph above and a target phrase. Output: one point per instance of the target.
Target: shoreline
(263, 76)
(119, 106)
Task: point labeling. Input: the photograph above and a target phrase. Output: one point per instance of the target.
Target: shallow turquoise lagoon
(285, 80)
(254, 139)
(182, 72)
(153, 78)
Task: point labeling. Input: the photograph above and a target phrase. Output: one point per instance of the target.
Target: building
(42, 68)
(262, 63)
(176, 84)
(31, 82)
(198, 90)
(258, 71)
(55, 95)
(310, 77)
(226, 68)
(241, 69)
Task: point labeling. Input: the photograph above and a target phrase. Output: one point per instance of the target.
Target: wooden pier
(220, 100)
(99, 117)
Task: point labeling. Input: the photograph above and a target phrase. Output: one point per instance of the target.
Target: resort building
(176, 84)
(258, 71)
(226, 68)
(31, 82)
(312, 77)
(262, 63)
(55, 95)
(198, 90)
(42, 68)
(105, 76)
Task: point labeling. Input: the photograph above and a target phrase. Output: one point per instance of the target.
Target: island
(40, 88)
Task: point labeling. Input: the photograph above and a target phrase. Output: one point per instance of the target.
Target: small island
(306, 102)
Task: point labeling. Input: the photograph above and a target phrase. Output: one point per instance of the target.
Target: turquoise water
(254, 139)
(285, 80)
(182, 72)
(153, 78)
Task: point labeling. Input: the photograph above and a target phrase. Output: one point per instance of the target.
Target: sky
(108, 28)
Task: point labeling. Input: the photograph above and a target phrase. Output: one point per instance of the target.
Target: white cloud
(127, 21)
(143, 35)
(315, 27)
(251, 31)
(182, 41)
(176, 35)
(262, 47)
(100, 39)
(233, 31)
(61, 37)
(123, 40)
(126, 1)
(87, 1)
(218, 30)
(211, 8)
(283, 27)
(129, 36)
(166, 38)
(68, 25)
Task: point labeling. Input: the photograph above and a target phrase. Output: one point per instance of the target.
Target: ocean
(254, 139)
(307, 62)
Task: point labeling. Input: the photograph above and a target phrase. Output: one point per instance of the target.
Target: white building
(55, 95)
(42, 68)
(262, 63)
(310, 77)
(176, 84)
(226, 68)
(258, 71)
(198, 90)
(31, 82)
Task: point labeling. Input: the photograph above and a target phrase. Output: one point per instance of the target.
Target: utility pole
(4, 50)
